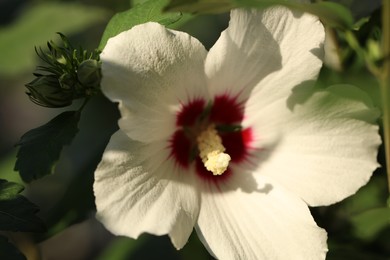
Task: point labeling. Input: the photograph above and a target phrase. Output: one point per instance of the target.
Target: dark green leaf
(9, 251)
(40, 148)
(200, 6)
(149, 11)
(16, 212)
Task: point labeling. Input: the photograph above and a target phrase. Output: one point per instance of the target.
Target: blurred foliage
(360, 8)
(36, 25)
(126, 248)
(9, 251)
(358, 227)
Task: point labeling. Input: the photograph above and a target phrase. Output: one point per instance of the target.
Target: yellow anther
(211, 151)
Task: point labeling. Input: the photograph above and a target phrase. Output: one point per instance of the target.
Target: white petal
(265, 53)
(263, 223)
(321, 145)
(151, 71)
(137, 190)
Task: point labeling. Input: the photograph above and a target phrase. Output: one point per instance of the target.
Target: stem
(385, 82)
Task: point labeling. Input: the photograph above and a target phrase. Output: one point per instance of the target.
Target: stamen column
(211, 151)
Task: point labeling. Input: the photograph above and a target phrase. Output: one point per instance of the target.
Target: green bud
(89, 73)
(66, 81)
(67, 74)
(45, 90)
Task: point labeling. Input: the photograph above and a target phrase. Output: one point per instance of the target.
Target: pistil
(211, 151)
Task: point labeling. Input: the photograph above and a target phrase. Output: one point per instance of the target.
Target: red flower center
(226, 114)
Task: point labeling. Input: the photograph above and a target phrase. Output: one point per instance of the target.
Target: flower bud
(68, 74)
(66, 81)
(46, 90)
(89, 74)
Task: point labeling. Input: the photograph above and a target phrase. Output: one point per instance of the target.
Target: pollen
(211, 151)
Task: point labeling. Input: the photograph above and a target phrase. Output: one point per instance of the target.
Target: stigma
(211, 151)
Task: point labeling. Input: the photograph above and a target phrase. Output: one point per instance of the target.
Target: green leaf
(9, 190)
(149, 11)
(7, 164)
(37, 24)
(201, 6)
(9, 251)
(137, 2)
(40, 148)
(333, 14)
(16, 212)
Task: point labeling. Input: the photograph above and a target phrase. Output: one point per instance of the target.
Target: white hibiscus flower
(269, 148)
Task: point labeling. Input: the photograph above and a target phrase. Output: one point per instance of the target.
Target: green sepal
(89, 73)
(47, 91)
(228, 128)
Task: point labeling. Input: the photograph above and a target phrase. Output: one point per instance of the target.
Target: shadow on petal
(240, 176)
(318, 52)
(300, 94)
